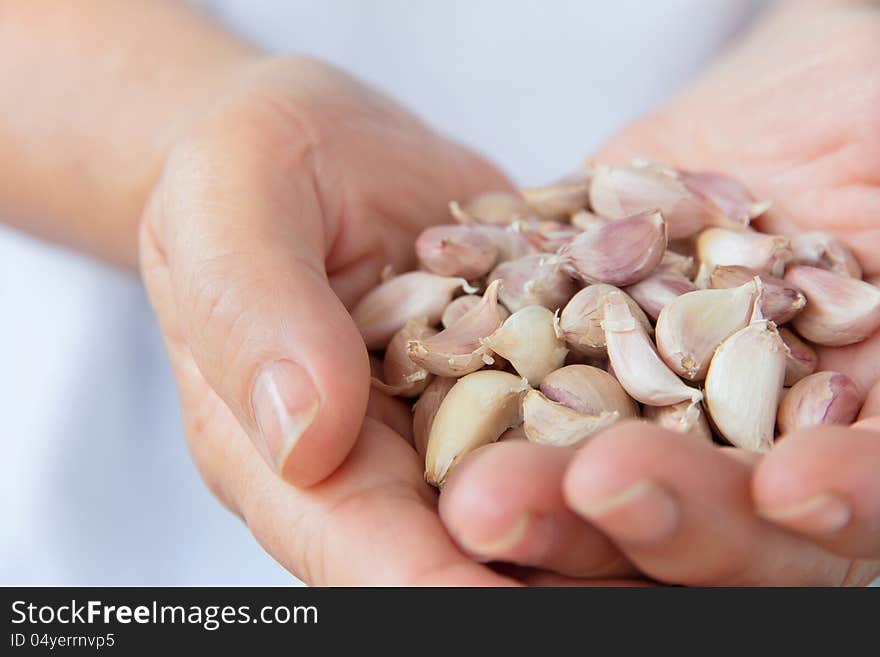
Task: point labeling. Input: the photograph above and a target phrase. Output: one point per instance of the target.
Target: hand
(276, 212)
(791, 112)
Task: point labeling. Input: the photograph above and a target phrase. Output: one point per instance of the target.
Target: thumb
(242, 244)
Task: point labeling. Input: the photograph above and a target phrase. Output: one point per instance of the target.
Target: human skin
(260, 197)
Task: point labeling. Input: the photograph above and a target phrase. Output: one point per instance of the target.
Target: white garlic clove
(475, 412)
(402, 377)
(426, 408)
(387, 308)
(825, 251)
(549, 423)
(819, 399)
(840, 310)
(686, 418)
(766, 254)
(456, 250)
(744, 385)
(589, 391)
(536, 279)
(529, 340)
(562, 198)
(636, 363)
(800, 358)
(691, 327)
(780, 301)
(581, 319)
(658, 290)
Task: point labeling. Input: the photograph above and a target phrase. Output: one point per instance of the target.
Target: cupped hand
(792, 111)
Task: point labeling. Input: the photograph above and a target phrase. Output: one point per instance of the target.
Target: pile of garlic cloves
(616, 292)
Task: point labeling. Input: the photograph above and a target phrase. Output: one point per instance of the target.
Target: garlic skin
(536, 279)
(636, 364)
(426, 408)
(562, 198)
(658, 290)
(385, 309)
(744, 385)
(456, 250)
(686, 418)
(733, 206)
(620, 252)
(780, 302)
(475, 412)
(691, 327)
(825, 251)
(819, 399)
(800, 358)
(589, 391)
(499, 208)
(840, 310)
(401, 376)
(529, 340)
(458, 350)
(549, 423)
(766, 254)
(581, 319)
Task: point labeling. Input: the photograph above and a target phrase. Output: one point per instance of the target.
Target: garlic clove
(530, 341)
(457, 308)
(800, 358)
(686, 418)
(819, 399)
(475, 412)
(425, 409)
(744, 385)
(730, 203)
(766, 254)
(840, 310)
(562, 198)
(678, 263)
(825, 251)
(547, 236)
(456, 250)
(536, 279)
(636, 364)
(401, 376)
(583, 219)
(386, 309)
(458, 350)
(549, 423)
(589, 391)
(691, 327)
(498, 208)
(620, 252)
(511, 241)
(780, 301)
(659, 289)
(581, 319)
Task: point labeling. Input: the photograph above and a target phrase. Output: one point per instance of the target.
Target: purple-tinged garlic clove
(732, 206)
(589, 391)
(581, 319)
(780, 301)
(563, 198)
(817, 400)
(426, 408)
(499, 208)
(659, 289)
(402, 377)
(547, 422)
(456, 250)
(800, 358)
(766, 254)
(825, 251)
(537, 279)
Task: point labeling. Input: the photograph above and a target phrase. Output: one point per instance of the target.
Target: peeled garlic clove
(589, 391)
(819, 399)
(562, 198)
(780, 302)
(840, 310)
(581, 319)
(621, 191)
(475, 412)
(678, 263)
(491, 208)
(457, 308)
(547, 236)
(455, 250)
(426, 408)
(620, 252)
(386, 309)
(686, 418)
(730, 203)
(401, 376)
(800, 358)
(826, 252)
(529, 340)
(583, 219)
(636, 364)
(550, 423)
(458, 350)
(536, 279)
(766, 254)
(658, 290)
(744, 385)
(692, 326)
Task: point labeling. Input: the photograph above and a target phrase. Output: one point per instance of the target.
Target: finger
(240, 229)
(680, 509)
(824, 484)
(504, 503)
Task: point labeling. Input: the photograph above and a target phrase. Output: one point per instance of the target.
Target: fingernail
(642, 513)
(285, 402)
(822, 514)
(487, 550)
